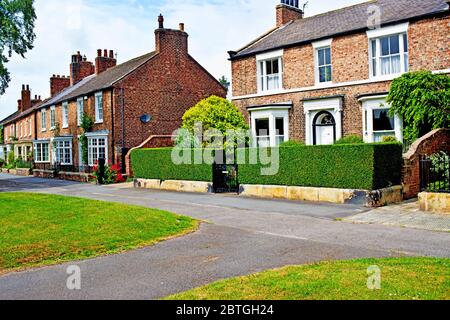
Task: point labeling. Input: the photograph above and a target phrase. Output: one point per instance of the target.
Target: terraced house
(128, 103)
(19, 129)
(320, 78)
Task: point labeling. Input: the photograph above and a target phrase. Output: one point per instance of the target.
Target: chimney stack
(171, 41)
(287, 11)
(105, 62)
(26, 98)
(80, 68)
(58, 83)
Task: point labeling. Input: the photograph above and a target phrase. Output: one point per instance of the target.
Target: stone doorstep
(435, 202)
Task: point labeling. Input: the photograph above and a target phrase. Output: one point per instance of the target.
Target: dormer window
(270, 71)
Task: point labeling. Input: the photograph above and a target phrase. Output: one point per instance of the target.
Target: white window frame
(65, 115)
(65, 150)
(262, 73)
(98, 107)
(271, 113)
(40, 145)
(376, 103)
(44, 120)
(91, 160)
(80, 110)
(52, 118)
(377, 34)
(319, 45)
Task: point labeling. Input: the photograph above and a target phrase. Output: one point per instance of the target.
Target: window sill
(276, 91)
(98, 122)
(44, 130)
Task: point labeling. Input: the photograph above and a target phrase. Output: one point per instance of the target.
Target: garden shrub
(158, 164)
(353, 139)
(389, 139)
(363, 166)
(292, 143)
(350, 166)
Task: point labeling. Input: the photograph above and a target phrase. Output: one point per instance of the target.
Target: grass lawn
(37, 229)
(402, 279)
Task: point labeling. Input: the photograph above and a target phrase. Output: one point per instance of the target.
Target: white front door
(325, 135)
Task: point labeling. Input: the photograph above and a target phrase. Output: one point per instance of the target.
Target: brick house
(324, 77)
(129, 102)
(19, 128)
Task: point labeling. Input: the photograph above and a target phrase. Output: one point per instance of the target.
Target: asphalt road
(241, 236)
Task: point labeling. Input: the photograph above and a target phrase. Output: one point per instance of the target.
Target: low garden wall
(435, 202)
(338, 174)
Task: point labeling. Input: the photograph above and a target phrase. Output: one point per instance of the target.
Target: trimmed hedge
(157, 164)
(362, 166)
(359, 166)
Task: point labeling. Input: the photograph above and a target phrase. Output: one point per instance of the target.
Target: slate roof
(99, 82)
(342, 21)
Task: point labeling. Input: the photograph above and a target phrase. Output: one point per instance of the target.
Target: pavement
(406, 215)
(240, 236)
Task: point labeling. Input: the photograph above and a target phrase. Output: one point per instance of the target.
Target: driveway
(242, 236)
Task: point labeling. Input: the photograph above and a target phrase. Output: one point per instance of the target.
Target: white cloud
(64, 27)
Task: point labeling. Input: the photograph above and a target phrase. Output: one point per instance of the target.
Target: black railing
(435, 173)
(57, 167)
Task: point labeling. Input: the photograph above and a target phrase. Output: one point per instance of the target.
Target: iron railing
(435, 173)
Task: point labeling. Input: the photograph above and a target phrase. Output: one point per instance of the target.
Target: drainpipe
(112, 126)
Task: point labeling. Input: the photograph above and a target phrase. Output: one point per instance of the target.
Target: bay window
(97, 149)
(378, 123)
(270, 126)
(41, 152)
(63, 151)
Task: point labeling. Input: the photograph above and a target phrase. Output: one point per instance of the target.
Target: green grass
(37, 229)
(402, 279)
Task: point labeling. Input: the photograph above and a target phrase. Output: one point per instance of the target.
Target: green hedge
(363, 166)
(157, 164)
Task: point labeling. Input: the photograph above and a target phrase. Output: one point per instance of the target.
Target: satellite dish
(146, 118)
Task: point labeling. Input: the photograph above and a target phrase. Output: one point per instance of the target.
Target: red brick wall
(428, 47)
(58, 84)
(165, 88)
(438, 140)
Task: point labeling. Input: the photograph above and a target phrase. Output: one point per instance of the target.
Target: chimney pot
(161, 21)
(111, 54)
(99, 52)
(105, 53)
(182, 27)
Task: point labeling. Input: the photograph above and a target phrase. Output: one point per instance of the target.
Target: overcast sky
(127, 27)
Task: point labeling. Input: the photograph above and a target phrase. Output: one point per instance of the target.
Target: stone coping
(435, 202)
(376, 198)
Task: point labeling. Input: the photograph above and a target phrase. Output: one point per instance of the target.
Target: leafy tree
(17, 19)
(2, 135)
(213, 113)
(422, 99)
(224, 82)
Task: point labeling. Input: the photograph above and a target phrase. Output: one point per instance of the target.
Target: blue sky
(127, 27)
